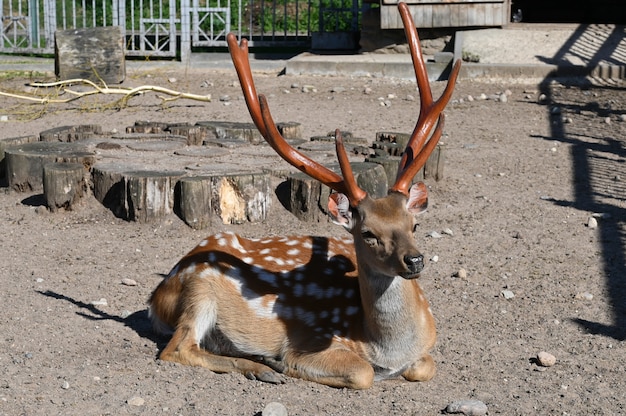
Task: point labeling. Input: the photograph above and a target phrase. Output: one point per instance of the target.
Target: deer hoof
(266, 376)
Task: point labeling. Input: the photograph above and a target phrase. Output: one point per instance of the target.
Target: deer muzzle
(414, 264)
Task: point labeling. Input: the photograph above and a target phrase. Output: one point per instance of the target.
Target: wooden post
(95, 53)
(194, 201)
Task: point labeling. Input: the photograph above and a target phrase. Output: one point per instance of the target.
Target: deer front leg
(421, 370)
(332, 367)
(184, 349)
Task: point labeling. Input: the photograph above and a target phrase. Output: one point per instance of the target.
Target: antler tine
(353, 191)
(416, 154)
(239, 55)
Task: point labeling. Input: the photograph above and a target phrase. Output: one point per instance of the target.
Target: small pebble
(172, 80)
(309, 88)
(447, 231)
(224, 98)
(503, 98)
(507, 294)
(434, 234)
(434, 259)
(461, 274)
(65, 385)
(100, 302)
(592, 223)
(4, 118)
(545, 359)
(274, 409)
(584, 296)
(468, 407)
(135, 401)
(129, 282)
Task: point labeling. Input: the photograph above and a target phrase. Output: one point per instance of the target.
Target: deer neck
(386, 304)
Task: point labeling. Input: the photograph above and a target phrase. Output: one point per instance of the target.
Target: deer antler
(260, 113)
(417, 150)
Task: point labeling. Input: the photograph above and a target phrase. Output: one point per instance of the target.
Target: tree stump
(108, 186)
(225, 130)
(149, 195)
(290, 130)
(4, 143)
(95, 53)
(307, 198)
(71, 133)
(242, 197)
(194, 201)
(64, 185)
(196, 135)
(25, 162)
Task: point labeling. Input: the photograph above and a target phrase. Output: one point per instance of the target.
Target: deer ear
(418, 199)
(339, 210)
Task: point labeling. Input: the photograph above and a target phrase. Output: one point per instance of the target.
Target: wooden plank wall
(447, 14)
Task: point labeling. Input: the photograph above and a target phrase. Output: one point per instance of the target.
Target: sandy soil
(522, 179)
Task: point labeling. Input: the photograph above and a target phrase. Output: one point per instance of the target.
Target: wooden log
(95, 53)
(435, 163)
(25, 162)
(196, 135)
(148, 127)
(194, 201)
(237, 198)
(71, 133)
(225, 130)
(13, 141)
(307, 199)
(290, 130)
(64, 185)
(108, 186)
(149, 195)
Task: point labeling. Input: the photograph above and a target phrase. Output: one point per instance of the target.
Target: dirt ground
(522, 178)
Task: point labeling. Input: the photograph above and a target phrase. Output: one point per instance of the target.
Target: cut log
(194, 201)
(307, 199)
(95, 53)
(149, 195)
(148, 127)
(196, 135)
(71, 133)
(108, 186)
(290, 130)
(242, 197)
(13, 141)
(434, 165)
(25, 162)
(64, 185)
(224, 130)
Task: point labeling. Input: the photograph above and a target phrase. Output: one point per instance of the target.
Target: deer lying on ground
(338, 311)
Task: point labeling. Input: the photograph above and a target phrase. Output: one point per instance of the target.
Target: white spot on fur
(203, 243)
(352, 310)
(205, 320)
(298, 290)
(292, 243)
(262, 308)
(264, 251)
(248, 260)
(293, 252)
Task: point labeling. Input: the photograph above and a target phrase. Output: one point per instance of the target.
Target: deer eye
(369, 238)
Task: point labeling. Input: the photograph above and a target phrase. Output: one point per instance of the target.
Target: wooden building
(447, 13)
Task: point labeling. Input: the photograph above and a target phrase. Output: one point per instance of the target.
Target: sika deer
(341, 312)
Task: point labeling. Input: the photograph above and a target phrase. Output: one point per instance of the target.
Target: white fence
(170, 28)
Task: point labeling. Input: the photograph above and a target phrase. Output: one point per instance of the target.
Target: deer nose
(414, 263)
